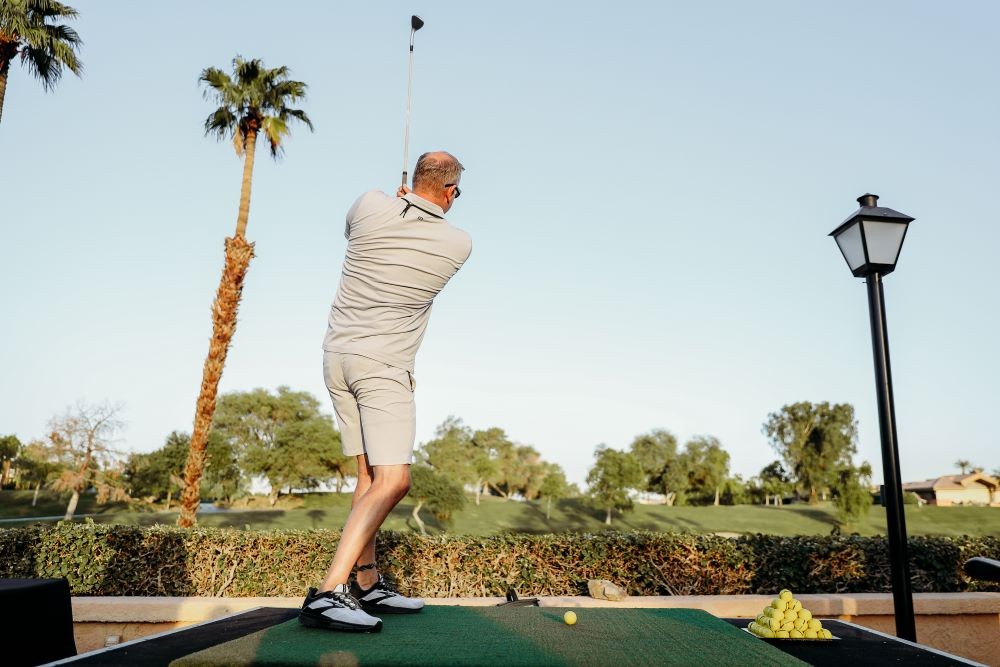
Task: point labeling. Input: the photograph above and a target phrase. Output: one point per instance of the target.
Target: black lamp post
(870, 240)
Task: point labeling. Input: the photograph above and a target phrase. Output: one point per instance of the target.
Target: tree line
(284, 438)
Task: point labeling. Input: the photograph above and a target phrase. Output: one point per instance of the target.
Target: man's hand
(403, 190)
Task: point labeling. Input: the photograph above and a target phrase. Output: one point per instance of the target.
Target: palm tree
(44, 48)
(963, 465)
(253, 101)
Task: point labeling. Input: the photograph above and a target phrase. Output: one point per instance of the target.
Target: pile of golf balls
(786, 618)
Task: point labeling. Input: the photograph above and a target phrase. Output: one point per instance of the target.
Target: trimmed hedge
(100, 559)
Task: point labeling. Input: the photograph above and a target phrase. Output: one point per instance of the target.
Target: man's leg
(389, 485)
(366, 578)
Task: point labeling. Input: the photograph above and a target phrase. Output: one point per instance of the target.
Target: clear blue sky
(649, 189)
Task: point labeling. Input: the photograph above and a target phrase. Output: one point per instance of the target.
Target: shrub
(100, 559)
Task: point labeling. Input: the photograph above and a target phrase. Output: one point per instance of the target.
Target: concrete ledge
(197, 609)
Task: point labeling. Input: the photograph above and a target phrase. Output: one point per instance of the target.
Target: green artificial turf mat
(444, 635)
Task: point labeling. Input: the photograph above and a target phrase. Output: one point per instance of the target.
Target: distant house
(976, 488)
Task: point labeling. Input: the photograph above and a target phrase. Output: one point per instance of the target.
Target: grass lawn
(496, 515)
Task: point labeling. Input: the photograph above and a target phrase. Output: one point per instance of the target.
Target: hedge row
(129, 560)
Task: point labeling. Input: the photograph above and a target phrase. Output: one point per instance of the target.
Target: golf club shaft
(409, 104)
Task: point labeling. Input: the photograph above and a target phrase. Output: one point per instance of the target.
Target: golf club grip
(404, 178)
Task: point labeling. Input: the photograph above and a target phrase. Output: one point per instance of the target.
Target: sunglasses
(458, 190)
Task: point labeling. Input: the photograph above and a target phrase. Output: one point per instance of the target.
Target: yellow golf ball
(570, 618)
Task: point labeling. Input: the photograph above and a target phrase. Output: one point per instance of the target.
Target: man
(400, 253)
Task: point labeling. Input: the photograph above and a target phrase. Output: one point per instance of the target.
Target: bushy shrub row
(129, 560)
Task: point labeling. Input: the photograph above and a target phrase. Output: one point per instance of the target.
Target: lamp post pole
(870, 240)
(892, 491)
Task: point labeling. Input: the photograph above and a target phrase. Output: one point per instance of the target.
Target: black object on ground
(173, 645)
(984, 569)
(514, 601)
(36, 621)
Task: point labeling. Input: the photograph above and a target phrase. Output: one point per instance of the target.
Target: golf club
(416, 23)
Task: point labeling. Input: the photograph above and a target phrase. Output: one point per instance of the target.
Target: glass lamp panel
(884, 240)
(850, 244)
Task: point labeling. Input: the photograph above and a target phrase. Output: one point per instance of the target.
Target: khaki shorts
(374, 406)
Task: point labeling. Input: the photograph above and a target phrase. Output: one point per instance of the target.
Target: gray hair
(436, 170)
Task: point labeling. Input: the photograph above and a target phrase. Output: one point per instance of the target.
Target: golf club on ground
(416, 23)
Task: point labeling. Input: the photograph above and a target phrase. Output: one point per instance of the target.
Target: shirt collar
(423, 203)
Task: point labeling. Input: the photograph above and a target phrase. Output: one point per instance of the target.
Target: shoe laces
(380, 584)
(383, 585)
(345, 599)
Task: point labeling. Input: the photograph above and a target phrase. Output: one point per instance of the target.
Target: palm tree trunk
(34, 499)
(607, 519)
(227, 302)
(249, 150)
(4, 69)
(716, 503)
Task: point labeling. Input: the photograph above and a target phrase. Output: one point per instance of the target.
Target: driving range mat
(507, 636)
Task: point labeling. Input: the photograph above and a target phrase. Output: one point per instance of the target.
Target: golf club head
(416, 23)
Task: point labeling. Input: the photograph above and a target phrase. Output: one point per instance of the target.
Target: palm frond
(299, 115)
(42, 66)
(50, 8)
(221, 123)
(275, 129)
(46, 48)
(239, 141)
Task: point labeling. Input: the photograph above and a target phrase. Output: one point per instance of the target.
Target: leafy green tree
(707, 465)
(656, 452)
(815, 440)
(255, 100)
(851, 495)
(451, 452)
(156, 475)
(485, 467)
(495, 460)
(303, 455)
(613, 475)
(27, 31)
(525, 472)
(441, 495)
(734, 491)
(775, 483)
(281, 436)
(554, 486)
(82, 441)
(10, 447)
(36, 465)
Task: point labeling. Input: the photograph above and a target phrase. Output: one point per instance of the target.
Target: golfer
(400, 253)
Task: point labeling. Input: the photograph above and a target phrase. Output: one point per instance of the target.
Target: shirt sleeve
(362, 207)
(352, 215)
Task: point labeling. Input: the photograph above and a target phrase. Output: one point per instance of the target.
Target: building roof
(953, 483)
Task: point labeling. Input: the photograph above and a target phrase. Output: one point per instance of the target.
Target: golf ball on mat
(570, 618)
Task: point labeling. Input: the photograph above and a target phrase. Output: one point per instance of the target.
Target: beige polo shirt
(400, 253)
